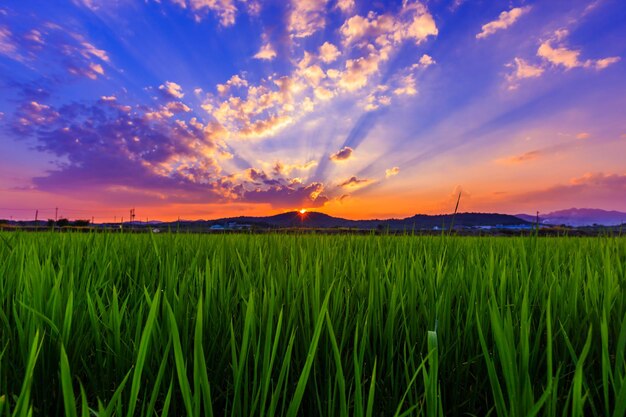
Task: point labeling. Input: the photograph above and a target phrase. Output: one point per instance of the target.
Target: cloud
(109, 152)
(426, 61)
(559, 56)
(570, 58)
(168, 110)
(603, 63)
(345, 6)
(392, 172)
(31, 116)
(8, 46)
(342, 154)
(358, 71)
(306, 17)
(284, 169)
(375, 101)
(57, 47)
(288, 196)
(328, 52)
(172, 89)
(539, 153)
(583, 136)
(407, 86)
(274, 102)
(224, 9)
(266, 52)
(234, 81)
(92, 71)
(414, 22)
(505, 19)
(522, 70)
(525, 157)
(354, 183)
(265, 127)
(603, 189)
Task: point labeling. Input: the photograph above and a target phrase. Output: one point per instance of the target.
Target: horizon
(304, 213)
(207, 110)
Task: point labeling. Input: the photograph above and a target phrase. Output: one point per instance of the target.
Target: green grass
(287, 325)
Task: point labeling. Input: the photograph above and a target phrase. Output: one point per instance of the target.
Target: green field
(286, 325)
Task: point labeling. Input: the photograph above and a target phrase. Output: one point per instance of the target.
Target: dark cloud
(293, 196)
(342, 154)
(106, 149)
(354, 181)
(58, 47)
(122, 156)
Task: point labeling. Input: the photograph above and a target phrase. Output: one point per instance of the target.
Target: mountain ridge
(313, 219)
(578, 217)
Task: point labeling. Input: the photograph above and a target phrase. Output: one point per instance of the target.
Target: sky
(202, 109)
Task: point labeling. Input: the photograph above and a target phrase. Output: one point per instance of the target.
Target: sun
(302, 211)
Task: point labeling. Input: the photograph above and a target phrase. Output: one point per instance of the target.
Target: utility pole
(92, 220)
(56, 214)
(36, 216)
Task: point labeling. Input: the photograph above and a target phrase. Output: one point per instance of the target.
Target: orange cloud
(392, 172)
(569, 58)
(503, 21)
(329, 52)
(266, 52)
(525, 157)
(522, 70)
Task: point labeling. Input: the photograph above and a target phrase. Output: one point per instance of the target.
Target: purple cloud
(342, 154)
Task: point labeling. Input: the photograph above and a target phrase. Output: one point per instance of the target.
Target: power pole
(56, 214)
(36, 216)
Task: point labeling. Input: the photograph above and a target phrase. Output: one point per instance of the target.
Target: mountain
(420, 221)
(579, 217)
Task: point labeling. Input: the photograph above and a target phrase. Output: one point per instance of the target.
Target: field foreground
(286, 325)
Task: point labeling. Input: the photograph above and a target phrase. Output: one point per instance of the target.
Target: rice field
(311, 325)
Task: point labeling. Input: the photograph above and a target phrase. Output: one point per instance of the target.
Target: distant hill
(419, 221)
(579, 217)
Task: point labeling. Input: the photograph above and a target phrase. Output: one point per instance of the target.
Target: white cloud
(413, 22)
(570, 58)
(234, 81)
(345, 6)
(522, 70)
(426, 61)
(603, 63)
(306, 17)
(172, 89)
(559, 55)
(406, 86)
(503, 21)
(329, 52)
(266, 52)
(225, 9)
